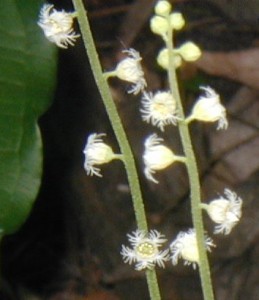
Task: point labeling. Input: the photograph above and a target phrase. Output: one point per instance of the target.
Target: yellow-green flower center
(146, 250)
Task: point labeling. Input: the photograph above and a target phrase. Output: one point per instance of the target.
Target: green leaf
(27, 77)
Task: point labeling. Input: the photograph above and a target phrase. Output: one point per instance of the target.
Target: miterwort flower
(57, 26)
(159, 109)
(157, 157)
(225, 211)
(209, 109)
(145, 251)
(129, 69)
(185, 247)
(97, 153)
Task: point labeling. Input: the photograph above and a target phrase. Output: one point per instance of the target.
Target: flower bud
(163, 8)
(159, 25)
(163, 59)
(177, 21)
(189, 51)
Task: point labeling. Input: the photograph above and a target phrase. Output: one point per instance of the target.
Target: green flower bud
(159, 25)
(189, 51)
(163, 59)
(163, 8)
(177, 21)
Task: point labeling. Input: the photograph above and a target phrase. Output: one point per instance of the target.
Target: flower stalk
(193, 174)
(101, 81)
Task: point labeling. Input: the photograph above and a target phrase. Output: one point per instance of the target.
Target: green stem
(119, 131)
(113, 114)
(193, 175)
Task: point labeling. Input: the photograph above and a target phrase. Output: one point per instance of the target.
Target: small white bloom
(57, 26)
(185, 247)
(159, 109)
(145, 251)
(209, 109)
(225, 211)
(157, 157)
(96, 153)
(129, 69)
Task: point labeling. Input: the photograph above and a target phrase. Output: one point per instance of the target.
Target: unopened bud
(189, 51)
(159, 25)
(163, 59)
(177, 21)
(163, 8)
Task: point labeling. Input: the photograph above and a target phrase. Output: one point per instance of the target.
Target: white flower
(225, 211)
(209, 109)
(185, 247)
(97, 153)
(129, 69)
(159, 109)
(145, 251)
(57, 26)
(157, 157)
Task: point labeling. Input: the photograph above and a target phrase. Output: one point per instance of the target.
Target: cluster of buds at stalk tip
(164, 21)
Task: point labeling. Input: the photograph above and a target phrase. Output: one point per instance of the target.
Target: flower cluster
(158, 109)
(57, 26)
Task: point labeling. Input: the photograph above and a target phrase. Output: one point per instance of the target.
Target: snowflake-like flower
(225, 211)
(209, 109)
(185, 247)
(157, 157)
(159, 109)
(97, 153)
(57, 26)
(145, 251)
(129, 69)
